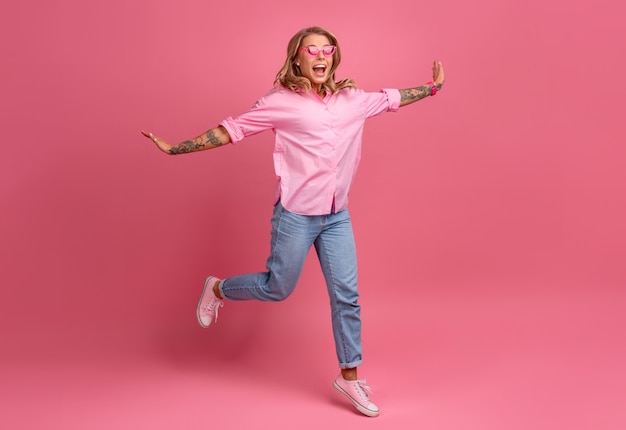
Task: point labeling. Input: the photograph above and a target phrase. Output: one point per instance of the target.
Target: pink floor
(512, 357)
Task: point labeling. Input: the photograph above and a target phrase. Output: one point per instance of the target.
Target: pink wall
(512, 177)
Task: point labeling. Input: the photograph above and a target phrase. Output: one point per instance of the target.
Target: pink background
(489, 219)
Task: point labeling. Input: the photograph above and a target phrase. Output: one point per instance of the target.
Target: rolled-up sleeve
(254, 121)
(386, 100)
(393, 96)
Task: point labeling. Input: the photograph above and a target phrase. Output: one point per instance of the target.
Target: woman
(318, 125)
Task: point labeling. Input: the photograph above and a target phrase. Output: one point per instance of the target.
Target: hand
(438, 76)
(160, 143)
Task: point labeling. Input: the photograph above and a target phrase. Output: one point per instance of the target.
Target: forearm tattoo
(212, 138)
(198, 144)
(414, 94)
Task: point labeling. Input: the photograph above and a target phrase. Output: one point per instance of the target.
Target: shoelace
(361, 388)
(212, 305)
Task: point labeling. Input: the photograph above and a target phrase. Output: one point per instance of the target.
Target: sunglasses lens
(329, 50)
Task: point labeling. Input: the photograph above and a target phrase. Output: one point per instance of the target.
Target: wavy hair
(290, 76)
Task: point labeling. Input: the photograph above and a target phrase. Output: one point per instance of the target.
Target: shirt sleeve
(255, 120)
(393, 95)
(387, 100)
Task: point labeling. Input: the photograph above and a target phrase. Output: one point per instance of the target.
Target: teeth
(319, 66)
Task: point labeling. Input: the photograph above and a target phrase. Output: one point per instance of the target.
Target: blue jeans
(292, 237)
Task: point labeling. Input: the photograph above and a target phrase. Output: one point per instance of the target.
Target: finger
(150, 136)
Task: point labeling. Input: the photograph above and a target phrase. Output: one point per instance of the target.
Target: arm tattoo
(212, 138)
(414, 94)
(197, 144)
(185, 147)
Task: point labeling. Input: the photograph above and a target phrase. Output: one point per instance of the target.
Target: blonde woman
(318, 125)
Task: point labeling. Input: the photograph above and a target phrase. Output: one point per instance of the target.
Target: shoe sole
(206, 283)
(356, 404)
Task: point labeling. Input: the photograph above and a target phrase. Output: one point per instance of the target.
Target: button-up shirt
(317, 142)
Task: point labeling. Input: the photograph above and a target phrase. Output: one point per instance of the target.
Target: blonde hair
(290, 76)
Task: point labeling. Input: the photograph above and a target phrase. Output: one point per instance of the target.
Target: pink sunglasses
(313, 51)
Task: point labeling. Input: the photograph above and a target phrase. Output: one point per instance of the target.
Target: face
(315, 68)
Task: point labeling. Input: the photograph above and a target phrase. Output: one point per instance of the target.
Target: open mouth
(319, 70)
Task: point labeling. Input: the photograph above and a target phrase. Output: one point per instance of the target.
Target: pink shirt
(318, 142)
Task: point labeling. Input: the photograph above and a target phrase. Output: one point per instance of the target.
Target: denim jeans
(292, 237)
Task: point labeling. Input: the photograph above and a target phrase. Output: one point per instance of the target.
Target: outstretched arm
(213, 138)
(411, 95)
